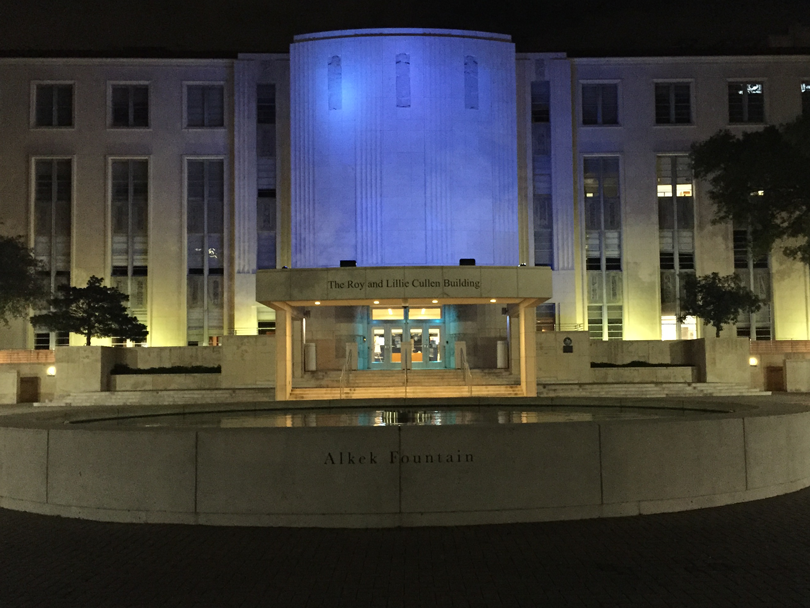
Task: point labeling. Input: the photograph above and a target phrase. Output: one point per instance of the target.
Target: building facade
(178, 180)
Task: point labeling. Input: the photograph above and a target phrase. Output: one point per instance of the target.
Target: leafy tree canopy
(94, 311)
(761, 179)
(717, 300)
(21, 286)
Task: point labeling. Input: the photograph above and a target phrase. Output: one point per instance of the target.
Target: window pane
(194, 106)
(64, 105)
(662, 104)
(214, 106)
(590, 104)
(120, 107)
(140, 106)
(45, 98)
(610, 104)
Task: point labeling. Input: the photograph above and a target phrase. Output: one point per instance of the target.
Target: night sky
(220, 28)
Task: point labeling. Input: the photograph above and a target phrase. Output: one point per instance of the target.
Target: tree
(21, 286)
(94, 311)
(761, 180)
(717, 300)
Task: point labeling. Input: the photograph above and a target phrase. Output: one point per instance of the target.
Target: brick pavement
(753, 554)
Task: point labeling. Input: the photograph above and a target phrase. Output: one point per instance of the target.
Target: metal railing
(465, 370)
(345, 373)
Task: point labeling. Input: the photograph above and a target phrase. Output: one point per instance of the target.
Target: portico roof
(403, 285)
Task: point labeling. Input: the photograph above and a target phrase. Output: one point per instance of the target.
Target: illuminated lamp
(51, 371)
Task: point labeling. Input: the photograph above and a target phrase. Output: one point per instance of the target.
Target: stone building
(191, 183)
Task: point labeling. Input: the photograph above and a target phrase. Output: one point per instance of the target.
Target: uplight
(376, 301)
(493, 300)
(51, 371)
(317, 303)
(753, 361)
(435, 301)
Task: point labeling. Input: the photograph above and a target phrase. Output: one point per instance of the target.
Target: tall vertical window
(600, 104)
(541, 101)
(266, 176)
(756, 275)
(53, 194)
(205, 105)
(603, 249)
(403, 74)
(805, 89)
(541, 174)
(129, 200)
(129, 105)
(746, 102)
(673, 103)
(54, 105)
(470, 83)
(335, 83)
(205, 210)
(266, 104)
(676, 237)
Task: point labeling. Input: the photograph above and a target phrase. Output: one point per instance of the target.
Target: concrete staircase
(640, 390)
(382, 384)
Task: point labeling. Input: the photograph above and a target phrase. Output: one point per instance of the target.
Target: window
(805, 88)
(470, 83)
(676, 237)
(266, 104)
(53, 196)
(600, 104)
(205, 105)
(546, 317)
(129, 201)
(756, 275)
(266, 176)
(746, 102)
(205, 209)
(603, 255)
(129, 106)
(673, 103)
(403, 69)
(335, 83)
(541, 101)
(54, 105)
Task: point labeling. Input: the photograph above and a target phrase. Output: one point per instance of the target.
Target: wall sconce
(51, 371)
(753, 361)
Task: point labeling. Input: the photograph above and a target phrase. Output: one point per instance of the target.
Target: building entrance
(393, 328)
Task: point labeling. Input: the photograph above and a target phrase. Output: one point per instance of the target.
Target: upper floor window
(600, 104)
(673, 103)
(129, 105)
(541, 101)
(746, 102)
(266, 104)
(805, 98)
(205, 105)
(54, 105)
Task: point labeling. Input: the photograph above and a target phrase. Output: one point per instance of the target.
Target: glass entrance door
(389, 339)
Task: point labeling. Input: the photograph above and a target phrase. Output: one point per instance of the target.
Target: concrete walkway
(753, 554)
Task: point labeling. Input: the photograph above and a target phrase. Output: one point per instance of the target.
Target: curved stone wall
(403, 148)
(398, 476)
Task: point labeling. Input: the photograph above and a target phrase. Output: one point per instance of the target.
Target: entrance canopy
(408, 285)
(519, 288)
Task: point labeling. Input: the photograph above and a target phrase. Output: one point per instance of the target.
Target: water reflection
(393, 417)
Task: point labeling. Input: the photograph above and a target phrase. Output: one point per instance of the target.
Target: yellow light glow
(51, 371)
(317, 303)
(376, 301)
(390, 312)
(753, 361)
(435, 301)
(423, 311)
(493, 300)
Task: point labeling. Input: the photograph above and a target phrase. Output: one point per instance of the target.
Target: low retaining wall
(642, 374)
(163, 382)
(398, 476)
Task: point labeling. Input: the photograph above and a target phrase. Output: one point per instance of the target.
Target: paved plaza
(753, 554)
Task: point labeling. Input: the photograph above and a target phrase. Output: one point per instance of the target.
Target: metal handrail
(465, 370)
(345, 372)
